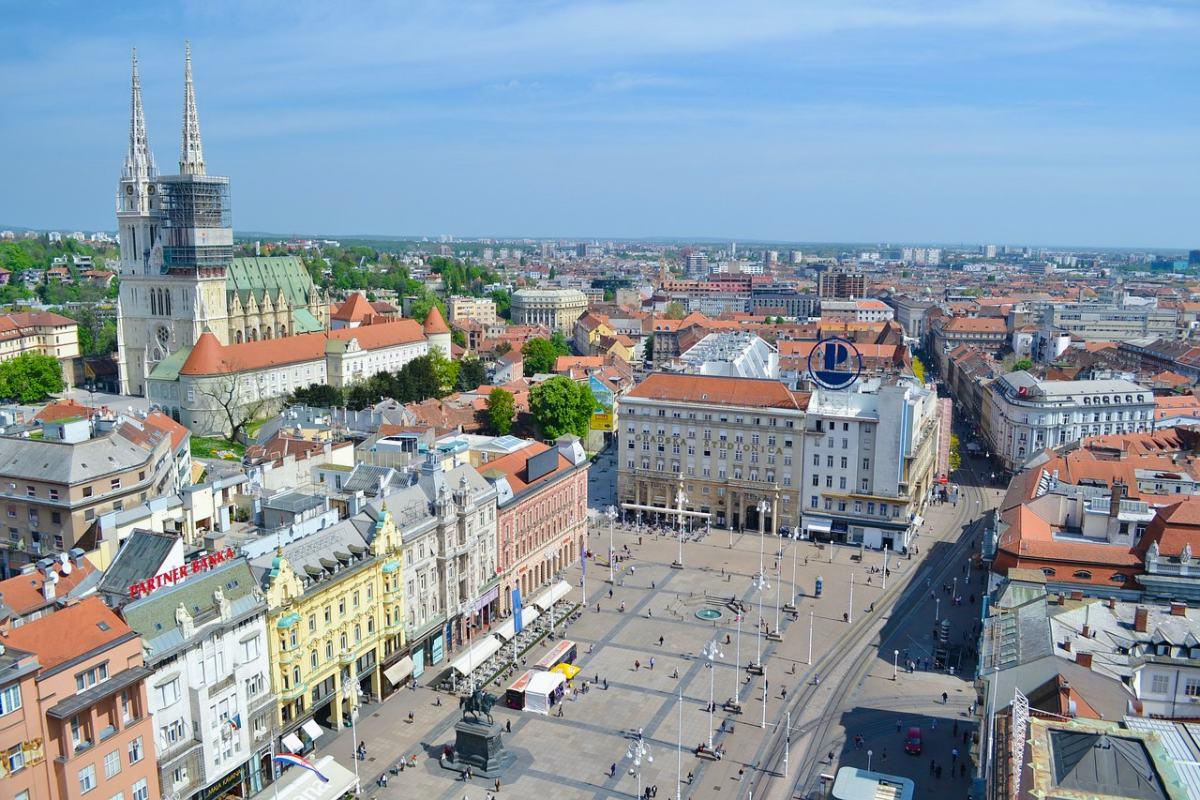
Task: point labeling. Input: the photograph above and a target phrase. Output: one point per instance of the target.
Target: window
(10, 699)
(167, 692)
(813, 501)
(1160, 684)
(136, 753)
(89, 678)
(112, 763)
(87, 778)
(141, 791)
(1191, 687)
(1082, 573)
(1048, 572)
(30, 491)
(115, 483)
(250, 647)
(866, 463)
(87, 491)
(15, 759)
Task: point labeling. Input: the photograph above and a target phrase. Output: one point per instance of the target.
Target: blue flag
(516, 604)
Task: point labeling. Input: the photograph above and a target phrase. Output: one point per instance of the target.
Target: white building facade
(1024, 415)
(210, 697)
(869, 462)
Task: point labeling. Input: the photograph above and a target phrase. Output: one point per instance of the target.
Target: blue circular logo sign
(834, 363)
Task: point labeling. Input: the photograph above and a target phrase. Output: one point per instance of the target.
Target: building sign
(834, 363)
(229, 786)
(602, 417)
(179, 574)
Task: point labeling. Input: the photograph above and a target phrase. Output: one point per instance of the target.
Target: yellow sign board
(602, 421)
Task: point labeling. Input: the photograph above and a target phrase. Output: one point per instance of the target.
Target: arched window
(1048, 572)
(154, 302)
(1083, 573)
(238, 337)
(1117, 577)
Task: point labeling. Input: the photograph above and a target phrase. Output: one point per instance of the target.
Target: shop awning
(508, 630)
(478, 653)
(299, 783)
(292, 742)
(821, 524)
(552, 595)
(311, 728)
(397, 672)
(917, 522)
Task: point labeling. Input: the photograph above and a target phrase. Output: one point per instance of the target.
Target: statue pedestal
(478, 745)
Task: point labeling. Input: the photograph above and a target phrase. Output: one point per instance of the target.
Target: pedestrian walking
(508, 726)
(945, 698)
(953, 756)
(651, 662)
(660, 641)
(637, 664)
(497, 786)
(612, 770)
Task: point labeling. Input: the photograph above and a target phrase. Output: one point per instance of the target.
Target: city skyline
(1035, 124)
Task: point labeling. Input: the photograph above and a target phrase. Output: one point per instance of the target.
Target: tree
(458, 336)
(470, 373)
(317, 395)
(236, 401)
(421, 306)
(539, 356)
(501, 410)
(955, 456)
(561, 346)
(503, 302)
(560, 405)
(446, 372)
(674, 310)
(31, 377)
(1021, 364)
(648, 348)
(918, 368)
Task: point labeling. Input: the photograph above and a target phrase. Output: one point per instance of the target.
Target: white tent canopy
(539, 690)
(478, 653)
(552, 595)
(509, 629)
(301, 784)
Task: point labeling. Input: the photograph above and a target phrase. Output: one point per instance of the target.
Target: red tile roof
(514, 466)
(63, 409)
(434, 322)
(719, 391)
(68, 633)
(162, 422)
(210, 357)
(355, 309)
(23, 593)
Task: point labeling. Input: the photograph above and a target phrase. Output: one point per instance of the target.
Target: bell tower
(180, 243)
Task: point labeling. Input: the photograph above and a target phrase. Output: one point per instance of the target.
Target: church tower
(176, 245)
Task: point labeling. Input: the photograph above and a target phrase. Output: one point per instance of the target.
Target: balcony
(346, 657)
(287, 695)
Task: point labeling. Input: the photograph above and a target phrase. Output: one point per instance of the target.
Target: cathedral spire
(139, 161)
(191, 154)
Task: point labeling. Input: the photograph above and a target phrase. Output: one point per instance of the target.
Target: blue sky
(1019, 121)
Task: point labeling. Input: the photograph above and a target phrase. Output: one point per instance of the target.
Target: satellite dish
(67, 566)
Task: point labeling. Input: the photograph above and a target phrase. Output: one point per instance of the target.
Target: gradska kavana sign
(173, 576)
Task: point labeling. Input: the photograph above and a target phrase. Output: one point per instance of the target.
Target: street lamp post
(711, 653)
(850, 612)
(636, 753)
(680, 500)
(349, 695)
(762, 525)
(679, 748)
(763, 724)
(794, 549)
(811, 619)
(937, 610)
(895, 662)
(760, 585)
(611, 513)
(737, 664)
(869, 754)
(885, 569)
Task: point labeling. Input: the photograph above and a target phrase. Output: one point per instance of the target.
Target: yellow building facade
(336, 616)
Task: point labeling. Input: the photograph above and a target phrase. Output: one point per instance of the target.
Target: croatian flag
(296, 761)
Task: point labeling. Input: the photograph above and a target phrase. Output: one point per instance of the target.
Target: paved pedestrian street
(571, 756)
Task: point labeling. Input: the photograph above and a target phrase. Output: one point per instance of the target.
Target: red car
(912, 742)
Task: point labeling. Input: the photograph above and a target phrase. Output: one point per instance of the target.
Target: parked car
(912, 742)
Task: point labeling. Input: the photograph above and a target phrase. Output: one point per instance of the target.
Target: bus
(562, 653)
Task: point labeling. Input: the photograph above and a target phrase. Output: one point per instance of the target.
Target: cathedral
(179, 277)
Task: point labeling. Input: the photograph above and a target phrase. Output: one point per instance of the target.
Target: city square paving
(571, 756)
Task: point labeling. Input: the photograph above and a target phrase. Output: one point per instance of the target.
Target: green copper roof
(168, 368)
(304, 322)
(262, 276)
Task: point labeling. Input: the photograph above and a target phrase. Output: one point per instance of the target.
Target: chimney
(48, 585)
(1084, 659)
(1077, 594)
(1087, 631)
(1112, 603)
(1141, 619)
(1118, 494)
(1067, 645)
(1178, 609)
(1061, 598)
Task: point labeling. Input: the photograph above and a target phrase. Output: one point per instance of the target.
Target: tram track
(851, 658)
